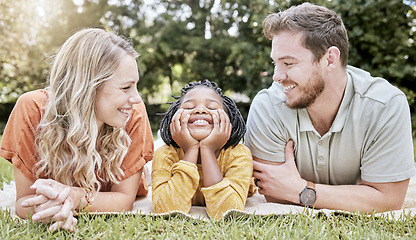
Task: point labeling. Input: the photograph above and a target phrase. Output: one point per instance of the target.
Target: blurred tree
(222, 41)
(381, 35)
(186, 40)
(30, 31)
(20, 65)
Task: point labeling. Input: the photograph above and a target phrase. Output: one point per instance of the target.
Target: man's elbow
(392, 204)
(390, 196)
(395, 204)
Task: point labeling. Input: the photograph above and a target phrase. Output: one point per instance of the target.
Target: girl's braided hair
(236, 120)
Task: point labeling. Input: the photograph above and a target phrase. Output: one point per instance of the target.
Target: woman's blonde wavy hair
(72, 149)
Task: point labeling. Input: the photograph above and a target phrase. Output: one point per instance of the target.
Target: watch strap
(310, 185)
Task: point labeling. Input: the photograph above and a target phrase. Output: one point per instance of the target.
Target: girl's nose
(200, 110)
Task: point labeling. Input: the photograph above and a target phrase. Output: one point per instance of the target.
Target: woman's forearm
(121, 197)
(111, 202)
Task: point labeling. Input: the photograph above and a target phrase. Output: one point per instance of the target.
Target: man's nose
(279, 75)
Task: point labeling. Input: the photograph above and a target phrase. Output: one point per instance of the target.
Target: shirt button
(320, 143)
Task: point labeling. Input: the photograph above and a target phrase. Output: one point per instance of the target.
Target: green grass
(6, 172)
(127, 226)
(252, 227)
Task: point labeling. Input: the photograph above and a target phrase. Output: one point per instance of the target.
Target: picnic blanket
(255, 205)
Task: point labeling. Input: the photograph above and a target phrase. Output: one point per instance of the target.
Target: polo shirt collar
(305, 123)
(342, 114)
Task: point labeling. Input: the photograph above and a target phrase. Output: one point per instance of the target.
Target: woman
(81, 143)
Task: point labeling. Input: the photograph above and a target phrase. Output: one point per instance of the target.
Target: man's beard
(309, 93)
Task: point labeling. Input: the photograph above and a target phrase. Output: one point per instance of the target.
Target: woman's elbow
(129, 207)
(127, 203)
(25, 214)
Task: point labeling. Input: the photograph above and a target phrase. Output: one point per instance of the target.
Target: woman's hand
(180, 132)
(27, 200)
(69, 223)
(53, 202)
(219, 134)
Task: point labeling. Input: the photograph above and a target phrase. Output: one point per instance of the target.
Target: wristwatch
(308, 195)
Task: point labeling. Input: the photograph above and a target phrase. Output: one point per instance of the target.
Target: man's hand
(280, 182)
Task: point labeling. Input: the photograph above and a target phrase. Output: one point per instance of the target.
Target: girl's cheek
(183, 115)
(213, 112)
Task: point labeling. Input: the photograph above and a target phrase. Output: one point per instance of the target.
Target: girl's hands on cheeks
(180, 132)
(220, 133)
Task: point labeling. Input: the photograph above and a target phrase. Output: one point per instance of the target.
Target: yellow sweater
(177, 184)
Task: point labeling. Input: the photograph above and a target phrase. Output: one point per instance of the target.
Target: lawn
(283, 227)
(128, 226)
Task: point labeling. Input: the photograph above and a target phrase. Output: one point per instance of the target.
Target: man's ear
(333, 57)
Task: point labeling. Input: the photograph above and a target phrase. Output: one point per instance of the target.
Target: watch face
(307, 197)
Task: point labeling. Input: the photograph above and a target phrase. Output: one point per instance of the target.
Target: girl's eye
(126, 88)
(188, 106)
(288, 64)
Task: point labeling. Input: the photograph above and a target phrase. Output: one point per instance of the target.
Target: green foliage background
(186, 40)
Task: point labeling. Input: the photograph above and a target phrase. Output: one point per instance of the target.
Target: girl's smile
(200, 120)
(201, 104)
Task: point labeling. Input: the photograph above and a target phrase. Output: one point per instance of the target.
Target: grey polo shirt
(370, 138)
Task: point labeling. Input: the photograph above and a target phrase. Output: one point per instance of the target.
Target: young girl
(70, 143)
(203, 162)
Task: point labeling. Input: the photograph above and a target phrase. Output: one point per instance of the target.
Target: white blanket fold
(255, 205)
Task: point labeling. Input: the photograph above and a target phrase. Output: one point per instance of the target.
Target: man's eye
(126, 88)
(288, 64)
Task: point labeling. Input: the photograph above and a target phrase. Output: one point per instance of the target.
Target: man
(325, 134)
